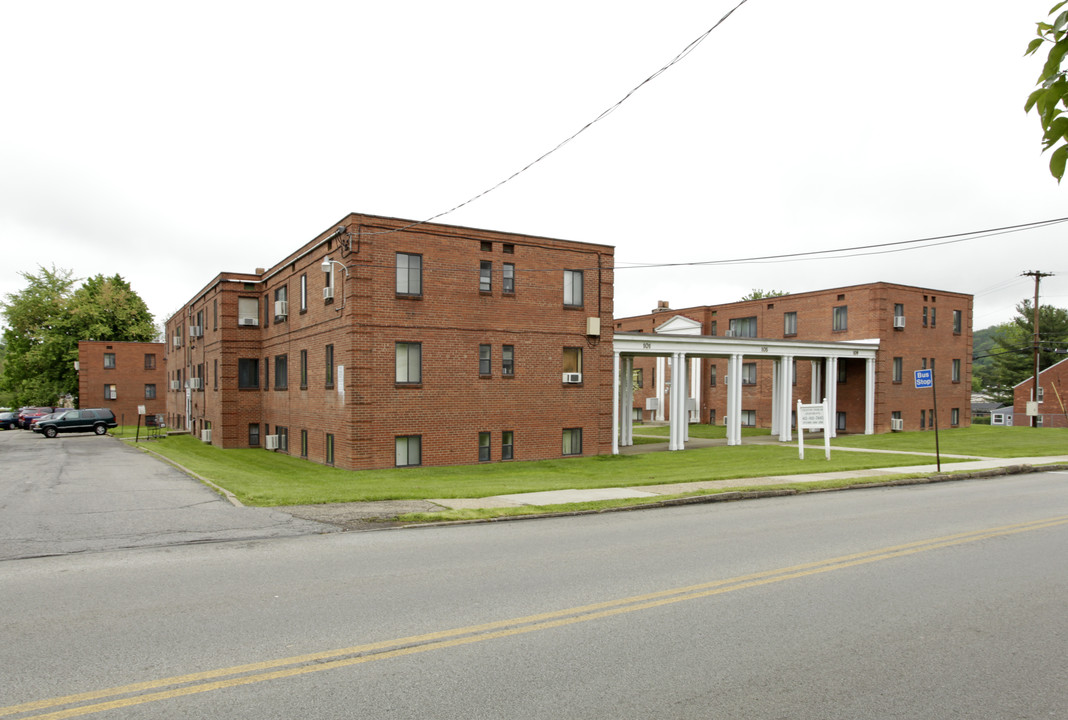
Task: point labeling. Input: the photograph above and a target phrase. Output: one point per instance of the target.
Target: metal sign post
(925, 379)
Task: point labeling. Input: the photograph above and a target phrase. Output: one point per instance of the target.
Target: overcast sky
(169, 142)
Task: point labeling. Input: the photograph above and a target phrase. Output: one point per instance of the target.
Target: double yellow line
(221, 678)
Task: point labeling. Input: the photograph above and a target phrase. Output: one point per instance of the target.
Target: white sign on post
(813, 417)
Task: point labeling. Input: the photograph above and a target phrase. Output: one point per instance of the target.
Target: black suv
(98, 420)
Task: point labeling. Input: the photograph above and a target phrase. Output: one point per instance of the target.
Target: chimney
(662, 306)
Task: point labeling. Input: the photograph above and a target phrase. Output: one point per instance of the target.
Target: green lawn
(704, 432)
(259, 477)
(978, 440)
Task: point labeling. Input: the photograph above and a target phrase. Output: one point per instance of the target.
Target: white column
(734, 400)
(661, 378)
(786, 392)
(673, 405)
(869, 396)
(628, 404)
(776, 407)
(815, 395)
(615, 402)
(832, 395)
(684, 409)
(695, 390)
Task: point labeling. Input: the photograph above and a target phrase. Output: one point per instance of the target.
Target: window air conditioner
(729, 333)
(572, 378)
(248, 321)
(897, 424)
(196, 331)
(328, 293)
(112, 394)
(899, 322)
(652, 403)
(271, 442)
(196, 383)
(177, 341)
(176, 385)
(205, 436)
(281, 308)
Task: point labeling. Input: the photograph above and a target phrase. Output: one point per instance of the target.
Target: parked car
(28, 414)
(49, 416)
(9, 420)
(97, 420)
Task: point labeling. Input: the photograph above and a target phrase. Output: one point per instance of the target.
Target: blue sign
(924, 379)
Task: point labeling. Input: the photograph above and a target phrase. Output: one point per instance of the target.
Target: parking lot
(83, 493)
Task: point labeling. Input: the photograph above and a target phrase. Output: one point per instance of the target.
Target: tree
(758, 294)
(45, 322)
(1050, 100)
(1013, 353)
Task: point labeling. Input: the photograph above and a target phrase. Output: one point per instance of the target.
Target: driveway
(81, 493)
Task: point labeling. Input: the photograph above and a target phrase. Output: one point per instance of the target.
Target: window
(266, 311)
(200, 376)
(789, 322)
(283, 438)
(749, 373)
(248, 373)
(958, 321)
(485, 246)
(508, 282)
(712, 329)
(925, 316)
(329, 449)
(484, 358)
(508, 360)
(840, 421)
(956, 370)
(1041, 393)
(923, 419)
(409, 450)
(303, 369)
(281, 372)
(840, 318)
(485, 276)
(508, 249)
(923, 363)
(895, 415)
(573, 288)
(712, 417)
(898, 363)
(248, 311)
(150, 361)
(329, 353)
(899, 310)
(712, 375)
(266, 373)
(841, 371)
(281, 303)
(253, 434)
(304, 297)
(150, 391)
(743, 327)
(748, 418)
(215, 314)
(572, 360)
(637, 378)
(409, 274)
(954, 416)
(933, 316)
(507, 445)
(409, 363)
(483, 447)
(572, 441)
(304, 443)
(215, 373)
(109, 361)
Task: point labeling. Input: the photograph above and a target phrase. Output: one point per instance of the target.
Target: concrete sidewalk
(560, 497)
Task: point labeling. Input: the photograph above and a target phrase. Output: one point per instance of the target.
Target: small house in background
(1002, 416)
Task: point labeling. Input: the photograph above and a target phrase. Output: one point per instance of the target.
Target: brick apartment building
(418, 344)
(916, 328)
(121, 376)
(1052, 397)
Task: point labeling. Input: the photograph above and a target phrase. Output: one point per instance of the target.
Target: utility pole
(1037, 275)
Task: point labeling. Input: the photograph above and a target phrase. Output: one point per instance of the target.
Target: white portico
(678, 343)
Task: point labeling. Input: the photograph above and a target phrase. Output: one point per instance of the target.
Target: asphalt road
(930, 601)
(81, 492)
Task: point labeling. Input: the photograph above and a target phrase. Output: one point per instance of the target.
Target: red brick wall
(129, 376)
(1054, 404)
(870, 316)
(450, 319)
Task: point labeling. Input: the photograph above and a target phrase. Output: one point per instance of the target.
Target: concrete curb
(230, 497)
(732, 495)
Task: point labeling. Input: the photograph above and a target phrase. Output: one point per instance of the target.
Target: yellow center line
(207, 681)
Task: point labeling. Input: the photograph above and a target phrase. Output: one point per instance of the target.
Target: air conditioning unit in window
(897, 424)
(177, 341)
(281, 308)
(729, 333)
(196, 331)
(899, 322)
(652, 403)
(205, 436)
(271, 442)
(328, 293)
(248, 321)
(196, 383)
(572, 378)
(176, 384)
